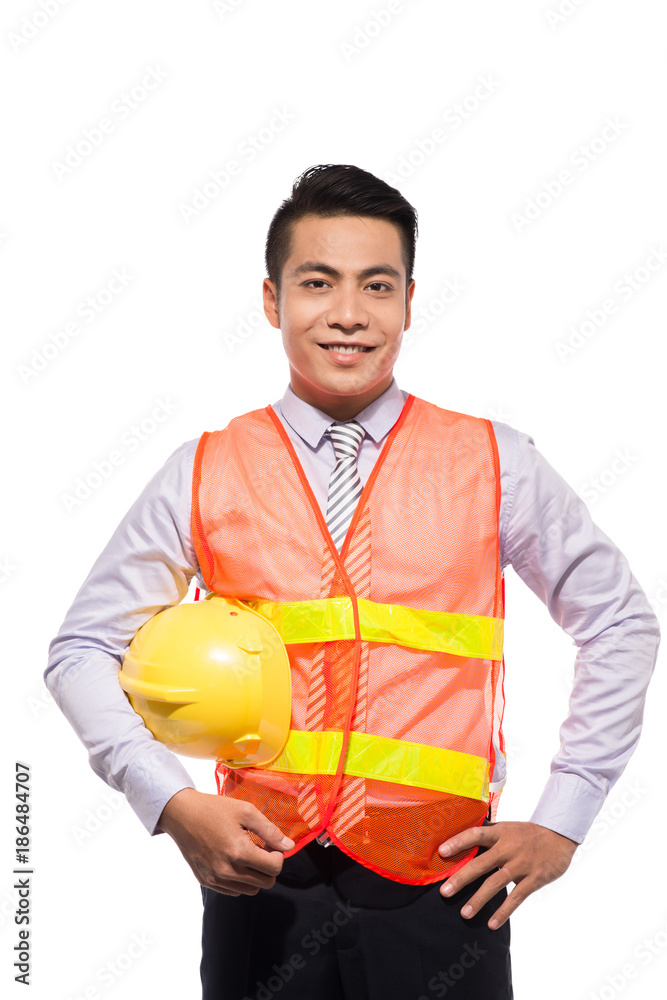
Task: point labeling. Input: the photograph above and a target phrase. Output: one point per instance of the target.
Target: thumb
(274, 838)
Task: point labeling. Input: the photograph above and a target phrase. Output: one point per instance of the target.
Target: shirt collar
(377, 418)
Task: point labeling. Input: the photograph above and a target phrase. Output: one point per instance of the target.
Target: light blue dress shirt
(546, 535)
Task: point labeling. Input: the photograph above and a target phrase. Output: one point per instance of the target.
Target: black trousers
(331, 929)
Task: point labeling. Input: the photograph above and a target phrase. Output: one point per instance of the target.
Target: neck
(336, 406)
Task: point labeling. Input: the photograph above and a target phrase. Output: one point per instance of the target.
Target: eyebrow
(368, 272)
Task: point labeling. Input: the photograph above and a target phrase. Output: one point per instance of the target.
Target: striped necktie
(344, 484)
(344, 491)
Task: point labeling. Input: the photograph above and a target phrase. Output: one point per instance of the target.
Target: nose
(347, 310)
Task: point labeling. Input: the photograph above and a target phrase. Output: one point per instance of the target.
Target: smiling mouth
(346, 348)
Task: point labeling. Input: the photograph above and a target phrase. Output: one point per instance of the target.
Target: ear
(408, 311)
(270, 295)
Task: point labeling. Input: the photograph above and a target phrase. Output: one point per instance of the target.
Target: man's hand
(527, 854)
(211, 832)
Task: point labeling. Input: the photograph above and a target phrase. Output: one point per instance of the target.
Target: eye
(385, 286)
(314, 281)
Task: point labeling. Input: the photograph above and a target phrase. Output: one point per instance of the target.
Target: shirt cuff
(151, 781)
(568, 805)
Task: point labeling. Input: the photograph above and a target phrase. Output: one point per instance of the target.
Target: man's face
(343, 285)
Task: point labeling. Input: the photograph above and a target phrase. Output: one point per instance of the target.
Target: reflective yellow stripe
(330, 619)
(397, 761)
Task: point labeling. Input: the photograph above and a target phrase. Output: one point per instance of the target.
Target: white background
(368, 96)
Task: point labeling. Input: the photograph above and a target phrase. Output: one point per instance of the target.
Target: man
(346, 881)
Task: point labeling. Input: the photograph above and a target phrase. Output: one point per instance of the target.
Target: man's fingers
(479, 865)
(258, 824)
(235, 872)
(469, 873)
(475, 836)
(227, 887)
(254, 864)
(489, 888)
(262, 879)
(213, 835)
(505, 911)
(514, 899)
(526, 854)
(251, 864)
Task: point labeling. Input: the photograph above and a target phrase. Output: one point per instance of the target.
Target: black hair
(334, 189)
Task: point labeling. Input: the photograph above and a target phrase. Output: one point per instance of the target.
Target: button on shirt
(546, 535)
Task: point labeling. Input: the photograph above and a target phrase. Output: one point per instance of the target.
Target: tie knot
(346, 438)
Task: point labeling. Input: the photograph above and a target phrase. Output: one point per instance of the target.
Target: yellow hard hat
(212, 679)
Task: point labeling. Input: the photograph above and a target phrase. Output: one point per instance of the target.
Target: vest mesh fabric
(432, 503)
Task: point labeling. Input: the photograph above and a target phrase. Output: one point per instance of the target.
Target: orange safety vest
(433, 624)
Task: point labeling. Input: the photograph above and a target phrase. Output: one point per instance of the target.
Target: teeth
(345, 350)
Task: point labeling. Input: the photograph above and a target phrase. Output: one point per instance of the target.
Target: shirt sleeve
(548, 537)
(146, 566)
